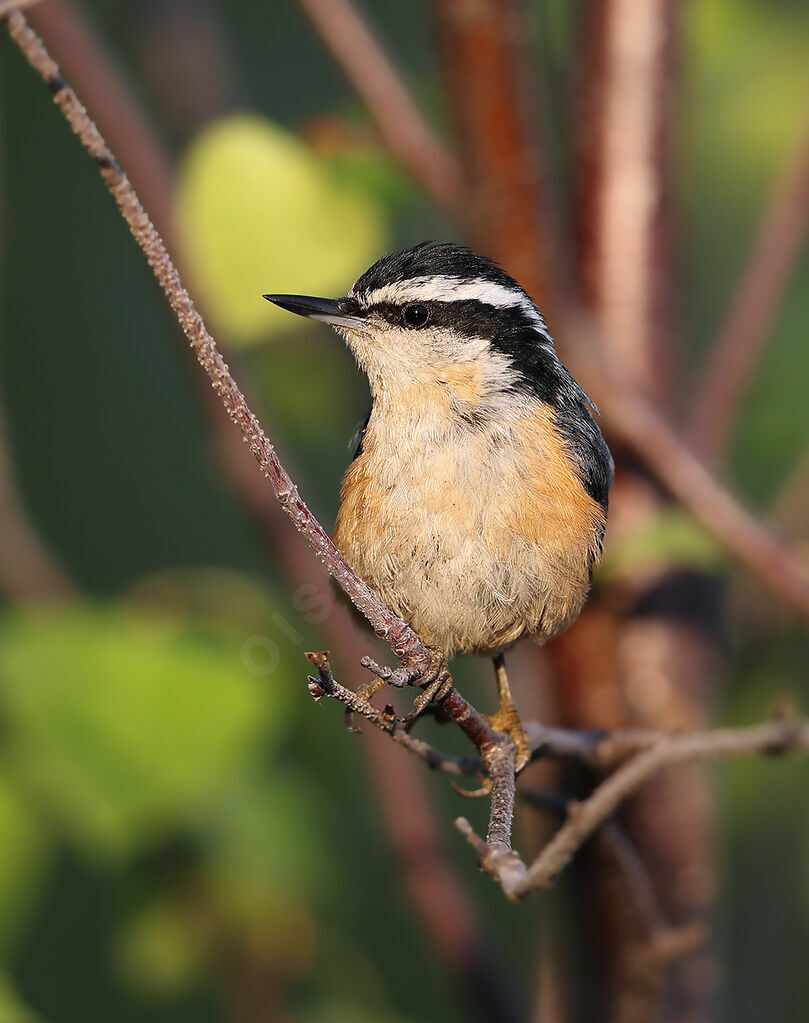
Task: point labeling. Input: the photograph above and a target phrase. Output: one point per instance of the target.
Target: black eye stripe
(468, 317)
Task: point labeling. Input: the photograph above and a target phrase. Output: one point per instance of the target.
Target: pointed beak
(327, 310)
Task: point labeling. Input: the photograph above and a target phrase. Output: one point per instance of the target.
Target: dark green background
(111, 453)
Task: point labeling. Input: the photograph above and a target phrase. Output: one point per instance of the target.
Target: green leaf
(264, 844)
(23, 860)
(746, 82)
(125, 726)
(12, 1009)
(161, 951)
(260, 212)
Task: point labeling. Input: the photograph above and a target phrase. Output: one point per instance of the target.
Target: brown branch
(635, 421)
(483, 49)
(584, 818)
(496, 751)
(659, 933)
(496, 754)
(379, 85)
(622, 201)
(93, 74)
(750, 317)
(405, 643)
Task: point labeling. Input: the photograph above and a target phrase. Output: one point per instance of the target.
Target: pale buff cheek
(397, 360)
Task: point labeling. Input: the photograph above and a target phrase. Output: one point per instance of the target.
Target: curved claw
(484, 790)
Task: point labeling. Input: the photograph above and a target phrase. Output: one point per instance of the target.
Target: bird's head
(439, 314)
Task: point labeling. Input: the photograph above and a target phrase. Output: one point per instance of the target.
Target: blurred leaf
(218, 599)
(748, 79)
(11, 1008)
(670, 538)
(260, 212)
(265, 844)
(23, 858)
(159, 951)
(124, 725)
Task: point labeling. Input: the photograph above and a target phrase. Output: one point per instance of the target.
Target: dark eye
(415, 315)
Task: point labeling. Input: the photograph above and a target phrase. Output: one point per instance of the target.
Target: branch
(751, 313)
(482, 45)
(622, 207)
(496, 751)
(115, 110)
(402, 639)
(379, 85)
(584, 818)
(662, 942)
(634, 421)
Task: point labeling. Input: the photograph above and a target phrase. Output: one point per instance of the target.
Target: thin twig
(379, 85)
(494, 748)
(403, 640)
(119, 117)
(659, 933)
(411, 651)
(750, 316)
(583, 818)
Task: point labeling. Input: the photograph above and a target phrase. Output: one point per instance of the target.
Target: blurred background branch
(746, 327)
(396, 117)
(583, 104)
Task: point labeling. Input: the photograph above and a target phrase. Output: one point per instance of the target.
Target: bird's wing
(357, 437)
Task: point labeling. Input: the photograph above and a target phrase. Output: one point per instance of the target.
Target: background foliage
(176, 816)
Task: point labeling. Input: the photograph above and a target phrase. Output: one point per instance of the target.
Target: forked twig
(585, 817)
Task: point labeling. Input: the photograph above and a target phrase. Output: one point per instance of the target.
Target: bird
(476, 501)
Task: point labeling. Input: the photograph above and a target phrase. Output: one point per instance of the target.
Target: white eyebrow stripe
(447, 289)
(439, 288)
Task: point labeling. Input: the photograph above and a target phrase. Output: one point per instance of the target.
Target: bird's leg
(507, 719)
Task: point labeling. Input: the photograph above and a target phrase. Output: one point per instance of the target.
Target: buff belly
(475, 548)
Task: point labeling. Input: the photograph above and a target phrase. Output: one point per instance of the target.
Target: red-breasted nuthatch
(476, 502)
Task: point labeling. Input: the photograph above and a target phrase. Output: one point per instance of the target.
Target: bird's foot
(507, 720)
(435, 681)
